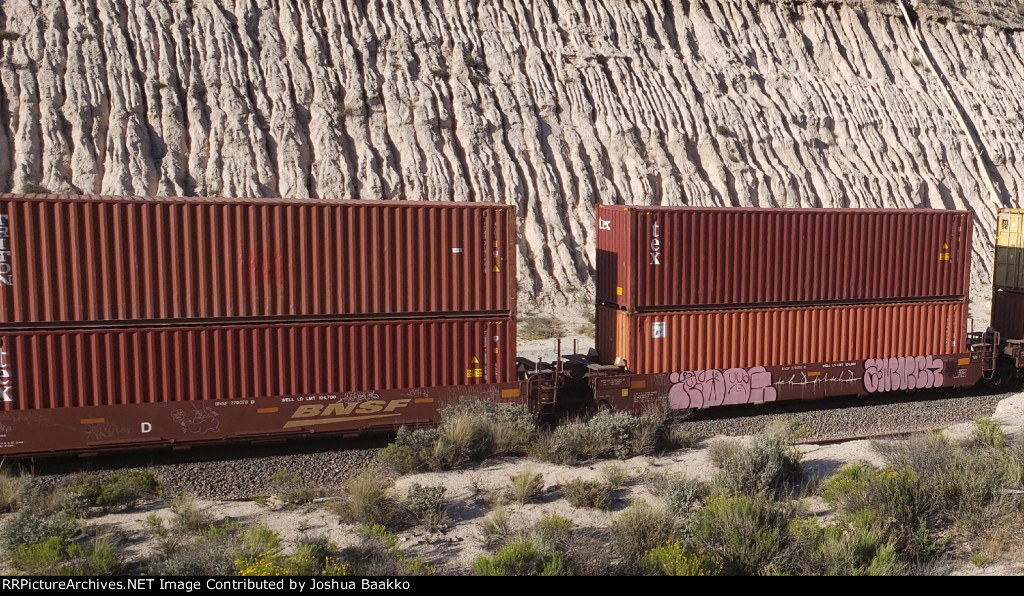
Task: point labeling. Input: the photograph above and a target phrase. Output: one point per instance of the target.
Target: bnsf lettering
(344, 409)
(6, 271)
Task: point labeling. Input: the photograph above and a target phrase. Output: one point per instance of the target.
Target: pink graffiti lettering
(708, 388)
(902, 374)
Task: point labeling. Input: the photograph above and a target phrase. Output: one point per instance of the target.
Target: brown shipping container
(1008, 313)
(76, 261)
(96, 367)
(666, 342)
(664, 258)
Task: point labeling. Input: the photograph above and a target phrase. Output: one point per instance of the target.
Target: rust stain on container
(665, 342)
(667, 258)
(337, 361)
(92, 260)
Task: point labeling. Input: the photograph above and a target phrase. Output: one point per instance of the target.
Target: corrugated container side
(93, 367)
(1009, 262)
(666, 342)
(685, 257)
(105, 260)
(1008, 313)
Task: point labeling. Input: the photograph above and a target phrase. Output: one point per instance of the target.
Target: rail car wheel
(1004, 378)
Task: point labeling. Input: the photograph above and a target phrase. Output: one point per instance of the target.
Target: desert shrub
(496, 528)
(721, 450)
(750, 533)
(846, 488)
(767, 464)
(187, 517)
(522, 557)
(588, 493)
(154, 526)
(850, 547)
(554, 530)
(11, 488)
(526, 487)
(677, 437)
(469, 431)
(127, 489)
(672, 558)
(638, 530)
(605, 435)
(367, 500)
(680, 493)
(290, 488)
(40, 557)
(615, 475)
(412, 450)
(428, 504)
(790, 429)
(85, 485)
(26, 529)
(209, 552)
(537, 327)
(377, 554)
(988, 432)
(474, 430)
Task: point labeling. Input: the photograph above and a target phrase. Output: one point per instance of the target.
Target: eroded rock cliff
(551, 105)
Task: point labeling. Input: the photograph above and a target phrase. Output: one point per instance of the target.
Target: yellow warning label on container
(509, 393)
(618, 290)
(963, 361)
(92, 420)
(475, 360)
(496, 270)
(266, 410)
(474, 373)
(625, 393)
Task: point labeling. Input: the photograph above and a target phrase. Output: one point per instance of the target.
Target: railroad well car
(144, 323)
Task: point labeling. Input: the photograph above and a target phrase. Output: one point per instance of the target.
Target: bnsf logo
(353, 408)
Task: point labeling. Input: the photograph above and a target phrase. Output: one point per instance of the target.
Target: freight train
(154, 323)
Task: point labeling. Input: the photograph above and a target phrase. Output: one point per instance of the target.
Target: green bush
(127, 489)
(522, 557)
(638, 530)
(750, 533)
(377, 555)
(989, 432)
(673, 559)
(588, 493)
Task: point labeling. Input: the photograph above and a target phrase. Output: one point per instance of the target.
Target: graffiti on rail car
(902, 374)
(708, 388)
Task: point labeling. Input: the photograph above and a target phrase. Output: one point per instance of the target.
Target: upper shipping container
(1009, 267)
(101, 261)
(664, 258)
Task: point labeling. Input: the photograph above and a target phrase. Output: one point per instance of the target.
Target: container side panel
(98, 261)
(89, 367)
(721, 339)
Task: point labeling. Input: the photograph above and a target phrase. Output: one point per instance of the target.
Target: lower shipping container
(1008, 313)
(666, 342)
(68, 390)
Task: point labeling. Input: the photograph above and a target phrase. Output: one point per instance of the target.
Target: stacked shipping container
(114, 301)
(687, 288)
(1008, 277)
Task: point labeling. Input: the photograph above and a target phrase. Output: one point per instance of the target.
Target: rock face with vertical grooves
(552, 105)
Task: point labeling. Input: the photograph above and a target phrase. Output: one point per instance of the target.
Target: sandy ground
(453, 549)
